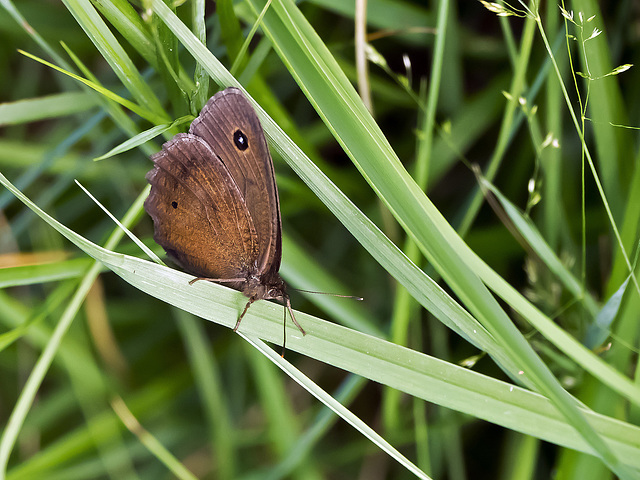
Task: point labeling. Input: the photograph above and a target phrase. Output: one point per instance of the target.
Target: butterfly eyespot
(174, 204)
(240, 139)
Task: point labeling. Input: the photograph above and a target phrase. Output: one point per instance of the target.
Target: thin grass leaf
(241, 57)
(129, 234)
(151, 442)
(211, 389)
(146, 114)
(144, 137)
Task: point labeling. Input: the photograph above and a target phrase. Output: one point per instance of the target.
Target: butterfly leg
(293, 318)
(246, 307)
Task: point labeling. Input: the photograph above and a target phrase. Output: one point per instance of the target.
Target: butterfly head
(265, 287)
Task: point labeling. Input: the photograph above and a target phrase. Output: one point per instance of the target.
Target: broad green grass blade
(413, 372)
(329, 401)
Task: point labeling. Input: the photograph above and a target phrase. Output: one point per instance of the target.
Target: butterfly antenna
(353, 297)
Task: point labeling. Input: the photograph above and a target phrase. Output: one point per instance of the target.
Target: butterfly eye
(240, 139)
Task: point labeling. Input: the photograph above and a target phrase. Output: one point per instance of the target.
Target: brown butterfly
(214, 201)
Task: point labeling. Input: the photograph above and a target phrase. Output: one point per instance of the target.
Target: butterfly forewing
(231, 127)
(206, 226)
